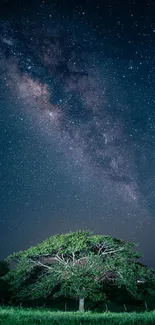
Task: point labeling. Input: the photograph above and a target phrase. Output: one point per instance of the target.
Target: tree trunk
(81, 304)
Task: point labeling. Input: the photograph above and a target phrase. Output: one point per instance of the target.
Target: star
(77, 124)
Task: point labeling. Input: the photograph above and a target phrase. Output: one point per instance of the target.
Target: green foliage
(77, 264)
(65, 243)
(82, 281)
(20, 316)
(73, 242)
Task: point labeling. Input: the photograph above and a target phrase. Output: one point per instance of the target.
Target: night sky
(77, 121)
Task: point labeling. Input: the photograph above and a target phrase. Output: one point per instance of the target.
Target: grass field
(23, 316)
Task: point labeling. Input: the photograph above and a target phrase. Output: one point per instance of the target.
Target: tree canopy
(76, 264)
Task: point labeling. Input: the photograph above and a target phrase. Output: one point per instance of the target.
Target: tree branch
(41, 264)
(73, 254)
(112, 251)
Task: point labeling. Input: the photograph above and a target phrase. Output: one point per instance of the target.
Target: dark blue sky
(77, 121)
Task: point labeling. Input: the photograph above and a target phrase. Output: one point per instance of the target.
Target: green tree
(76, 264)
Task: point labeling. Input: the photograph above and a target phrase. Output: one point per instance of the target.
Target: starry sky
(77, 121)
